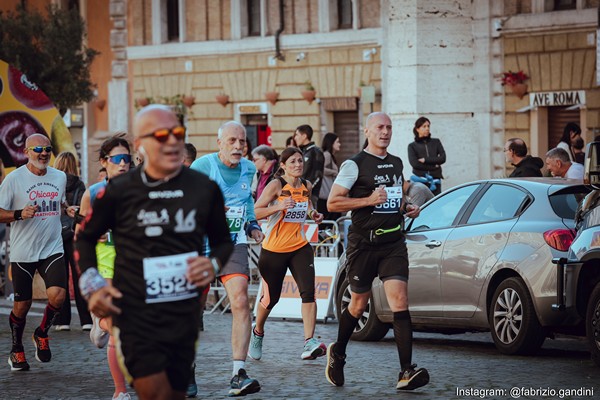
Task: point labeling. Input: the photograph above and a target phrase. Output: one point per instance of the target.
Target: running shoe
(412, 377)
(122, 396)
(334, 372)
(17, 360)
(98, 336)
(313, 349)
(87, 327)
(42, 346)
(62, 328)
(255, 347)
(242, 385)
(192, 389)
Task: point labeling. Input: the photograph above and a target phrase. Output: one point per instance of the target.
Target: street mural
(25, 110)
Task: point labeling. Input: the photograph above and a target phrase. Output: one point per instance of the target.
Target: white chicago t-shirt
(38, 237)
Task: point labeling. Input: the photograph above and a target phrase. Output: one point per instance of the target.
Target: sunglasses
(162, 135)
(39, 149)
(118, 158)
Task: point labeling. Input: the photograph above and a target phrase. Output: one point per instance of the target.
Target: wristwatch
(17, 215)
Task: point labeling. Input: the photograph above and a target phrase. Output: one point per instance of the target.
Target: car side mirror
(591, 175)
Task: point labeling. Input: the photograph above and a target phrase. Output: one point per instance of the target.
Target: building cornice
(370, 36)
(550, 21)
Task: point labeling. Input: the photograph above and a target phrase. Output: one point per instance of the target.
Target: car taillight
(559, 239)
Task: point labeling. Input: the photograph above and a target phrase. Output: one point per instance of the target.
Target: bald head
(371, 117)
(37, 139)
(153, 117)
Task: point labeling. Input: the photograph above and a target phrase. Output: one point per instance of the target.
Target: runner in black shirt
(159, 221)
(371, 185)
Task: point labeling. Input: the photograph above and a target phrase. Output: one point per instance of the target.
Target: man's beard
(38, 164)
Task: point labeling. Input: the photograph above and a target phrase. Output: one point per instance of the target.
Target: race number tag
(394, 200)
(165, 278)
(235, 218)
(297, 214)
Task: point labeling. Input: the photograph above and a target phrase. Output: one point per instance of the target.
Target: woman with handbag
(67, 163)
(330, 145)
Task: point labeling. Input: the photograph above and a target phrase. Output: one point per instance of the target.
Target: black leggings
(273, 266)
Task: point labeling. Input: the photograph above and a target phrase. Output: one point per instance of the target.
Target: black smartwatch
(17, 215)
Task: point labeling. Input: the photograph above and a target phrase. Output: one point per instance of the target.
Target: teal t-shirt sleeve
(201, 165)
(250, 202)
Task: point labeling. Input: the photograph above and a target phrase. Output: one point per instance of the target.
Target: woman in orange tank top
(286, 203)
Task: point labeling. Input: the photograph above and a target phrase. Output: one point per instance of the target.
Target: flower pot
(222, 99)
(189, 101)
(272, 97)
(142, 102)
(519, 89)
(100, 104)
(309, 95)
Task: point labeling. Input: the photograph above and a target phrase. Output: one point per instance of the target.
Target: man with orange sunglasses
(159, 222)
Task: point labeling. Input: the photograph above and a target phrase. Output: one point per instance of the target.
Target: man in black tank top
(160, 220)
(371, 185)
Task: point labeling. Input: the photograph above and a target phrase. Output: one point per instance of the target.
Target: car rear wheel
(592, 324)
(513, 322)
(369, 327)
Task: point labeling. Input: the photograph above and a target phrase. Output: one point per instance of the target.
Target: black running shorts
(51, 269)
(167, 344)
(365, 261)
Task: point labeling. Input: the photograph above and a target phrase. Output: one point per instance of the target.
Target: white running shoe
(62, 328)
(122, 396)
(98, 336)
(87, 327)
(313, 349)
(255, 347)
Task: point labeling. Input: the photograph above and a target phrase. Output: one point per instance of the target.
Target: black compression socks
(50, 314)
(17, 326)
(345, 329)
(403, 336)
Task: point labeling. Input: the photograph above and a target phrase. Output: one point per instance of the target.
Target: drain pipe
(278, 54)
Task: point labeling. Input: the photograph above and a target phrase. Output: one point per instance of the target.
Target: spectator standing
(289, 142)
(31, 199)
(265, 161)
(331, 144)
(426, 154)
(515, 151)
(67, 163)
(559, 164)
(578, 150)
(314, 161)
(570, 133)
(189, 154)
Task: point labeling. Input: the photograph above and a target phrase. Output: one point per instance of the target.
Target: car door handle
(434, 243)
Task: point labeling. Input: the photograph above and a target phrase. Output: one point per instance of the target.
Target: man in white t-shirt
(31, 200)
(559, 164)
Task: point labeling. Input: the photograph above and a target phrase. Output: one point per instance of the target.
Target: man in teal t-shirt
(234, 174)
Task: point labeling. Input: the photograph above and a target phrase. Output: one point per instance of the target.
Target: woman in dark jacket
(426, 154)
(67, 163)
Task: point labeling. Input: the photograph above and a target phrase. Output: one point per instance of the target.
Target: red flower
(512, 78)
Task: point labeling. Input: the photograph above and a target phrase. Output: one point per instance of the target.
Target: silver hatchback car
(481, 259)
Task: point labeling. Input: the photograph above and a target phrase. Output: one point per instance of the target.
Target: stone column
(436, 63)
(118, 96)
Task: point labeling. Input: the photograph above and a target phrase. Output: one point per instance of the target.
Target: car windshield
(565, 204)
